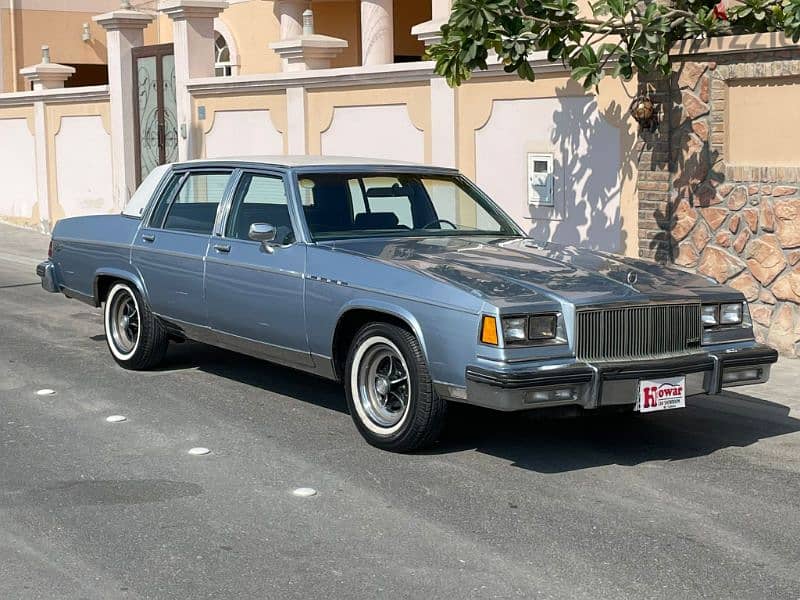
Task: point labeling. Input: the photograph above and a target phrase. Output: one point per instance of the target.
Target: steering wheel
(437, 221)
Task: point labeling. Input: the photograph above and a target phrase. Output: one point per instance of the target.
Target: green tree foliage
(618, 38)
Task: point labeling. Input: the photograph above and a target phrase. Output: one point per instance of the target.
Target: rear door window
(194, 207)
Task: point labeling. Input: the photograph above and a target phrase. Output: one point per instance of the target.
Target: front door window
(260, 199)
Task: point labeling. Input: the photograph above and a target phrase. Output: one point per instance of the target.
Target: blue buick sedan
(404, 282)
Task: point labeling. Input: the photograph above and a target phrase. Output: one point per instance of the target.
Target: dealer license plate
(661, 394)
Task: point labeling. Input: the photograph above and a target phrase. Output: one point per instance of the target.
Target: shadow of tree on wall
(679, 147)
(589, 220)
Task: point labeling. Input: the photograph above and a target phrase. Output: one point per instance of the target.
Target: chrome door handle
(148, 237)
(222, 247)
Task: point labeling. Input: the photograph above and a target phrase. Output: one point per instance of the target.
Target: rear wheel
(136, 338)
(389, 390)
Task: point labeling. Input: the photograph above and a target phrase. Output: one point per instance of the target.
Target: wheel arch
(105, 278)
(355, 315)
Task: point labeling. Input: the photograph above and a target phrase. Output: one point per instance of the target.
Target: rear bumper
(603, 384)
(47, 272)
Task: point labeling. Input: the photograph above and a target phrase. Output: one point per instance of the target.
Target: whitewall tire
(389, 389)
(135, 337)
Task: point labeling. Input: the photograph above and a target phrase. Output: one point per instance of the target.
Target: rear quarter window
(141, 197)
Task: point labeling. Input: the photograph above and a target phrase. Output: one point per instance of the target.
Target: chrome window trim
(294, 218)
(184, 174)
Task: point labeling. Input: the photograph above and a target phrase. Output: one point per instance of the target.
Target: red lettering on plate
(650, 396)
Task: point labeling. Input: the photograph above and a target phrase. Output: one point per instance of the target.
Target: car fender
(129, 276)
(390, 309)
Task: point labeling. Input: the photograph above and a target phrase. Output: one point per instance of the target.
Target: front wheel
(136, 338)
(389, 390)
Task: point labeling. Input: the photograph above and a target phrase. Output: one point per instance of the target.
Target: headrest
(380, 220)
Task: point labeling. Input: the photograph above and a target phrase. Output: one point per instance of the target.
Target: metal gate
(155, 107)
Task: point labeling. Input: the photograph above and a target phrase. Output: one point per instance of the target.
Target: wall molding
(78, 95)
(376, 75)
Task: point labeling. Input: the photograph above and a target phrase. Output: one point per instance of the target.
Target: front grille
(637, 332)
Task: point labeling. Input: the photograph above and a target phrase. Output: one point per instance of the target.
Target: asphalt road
(697, 503)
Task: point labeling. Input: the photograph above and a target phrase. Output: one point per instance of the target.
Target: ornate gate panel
(155, 107)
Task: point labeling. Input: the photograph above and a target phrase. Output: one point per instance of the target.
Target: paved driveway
(696, 503)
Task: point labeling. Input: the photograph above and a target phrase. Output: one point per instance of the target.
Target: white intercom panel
(540, 179)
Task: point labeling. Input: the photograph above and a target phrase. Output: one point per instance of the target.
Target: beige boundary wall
(55, 155)
(486, 128)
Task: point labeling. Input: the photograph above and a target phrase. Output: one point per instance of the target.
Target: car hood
(515, 270)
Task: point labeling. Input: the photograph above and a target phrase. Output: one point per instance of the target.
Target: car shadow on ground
(535, 440)
(545, 444)
(258, 373)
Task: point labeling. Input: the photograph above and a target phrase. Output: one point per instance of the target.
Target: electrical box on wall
(540, 179)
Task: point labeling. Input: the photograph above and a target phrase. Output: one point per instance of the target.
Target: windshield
(349, 205)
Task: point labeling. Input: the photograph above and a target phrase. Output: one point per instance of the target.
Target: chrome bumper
(47, 272)
(606, 384)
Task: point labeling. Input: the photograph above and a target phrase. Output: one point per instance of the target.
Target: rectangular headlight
(542, 327)
(709, 315)
(515, 329)
(730, 314)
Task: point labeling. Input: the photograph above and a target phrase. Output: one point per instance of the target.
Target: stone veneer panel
(739, 224)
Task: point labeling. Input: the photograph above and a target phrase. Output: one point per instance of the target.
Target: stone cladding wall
(738, 224)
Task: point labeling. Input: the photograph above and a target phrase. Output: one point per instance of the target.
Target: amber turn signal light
(489, 330)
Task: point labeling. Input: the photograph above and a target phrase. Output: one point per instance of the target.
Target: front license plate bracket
(661, 394)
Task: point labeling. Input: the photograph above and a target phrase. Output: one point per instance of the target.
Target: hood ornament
(632, 277)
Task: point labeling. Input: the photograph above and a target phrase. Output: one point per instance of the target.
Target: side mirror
(262, 232)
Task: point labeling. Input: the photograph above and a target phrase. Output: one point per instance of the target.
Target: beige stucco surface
(60, 30)
(254, 25)
(18, 157)
(322, 103)
(6, 77)
(53, 117)
(764, 122)
(583, 127)
(341, 20)
(274, 102)
(476, 100)
(408, 13)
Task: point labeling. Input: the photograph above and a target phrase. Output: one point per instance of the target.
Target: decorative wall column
(308, 50)
(193, 38)
(124, 32)
(443, 98)
(377, 32)
(297, 141)
(443, 123)
(47, 75)
(430, 32)
(44, 76)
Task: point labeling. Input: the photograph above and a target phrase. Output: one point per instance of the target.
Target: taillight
(50, 250)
